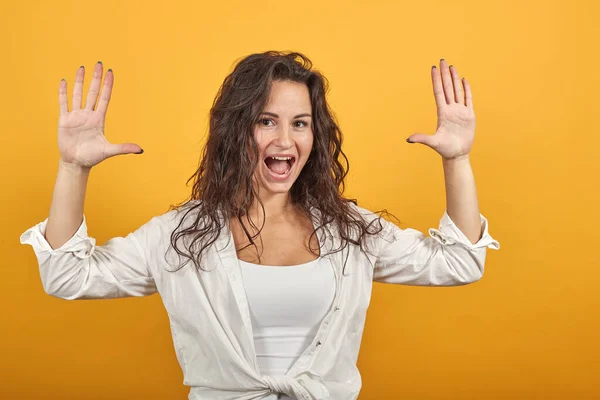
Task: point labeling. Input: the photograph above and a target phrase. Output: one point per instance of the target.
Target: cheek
(258, 138)
(308, 144)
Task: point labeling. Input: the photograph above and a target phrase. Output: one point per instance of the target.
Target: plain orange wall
(527, 330)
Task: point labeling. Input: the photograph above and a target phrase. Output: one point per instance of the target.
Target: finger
(62, 97)
(447, 81)
(122, 148)
(427, 140)
(78, 88)
(106, 91)
(459, 95)
(438, 90)
(468, 94)
(92, 96)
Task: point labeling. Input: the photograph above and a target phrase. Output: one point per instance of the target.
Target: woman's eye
(303, 124)
(269, 122)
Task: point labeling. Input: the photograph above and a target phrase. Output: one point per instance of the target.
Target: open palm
(455, 130)
(81, 139)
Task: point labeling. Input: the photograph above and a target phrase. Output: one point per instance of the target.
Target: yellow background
(527, 330)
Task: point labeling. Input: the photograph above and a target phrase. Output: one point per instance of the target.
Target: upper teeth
(281, 158)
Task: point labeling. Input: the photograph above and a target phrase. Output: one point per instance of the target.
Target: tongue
(278, 166)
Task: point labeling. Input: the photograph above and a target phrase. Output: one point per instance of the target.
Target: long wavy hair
(223, 184)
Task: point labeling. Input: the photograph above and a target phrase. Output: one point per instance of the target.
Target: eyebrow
(277, 116)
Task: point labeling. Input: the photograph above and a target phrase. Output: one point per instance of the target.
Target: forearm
(66, 210)
(461, 196)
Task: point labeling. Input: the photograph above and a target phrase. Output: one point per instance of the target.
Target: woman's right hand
(81, 139)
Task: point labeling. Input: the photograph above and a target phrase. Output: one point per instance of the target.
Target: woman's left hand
(456, 119)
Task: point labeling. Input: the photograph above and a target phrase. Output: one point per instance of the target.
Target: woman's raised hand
(81, 139)
(455, 132)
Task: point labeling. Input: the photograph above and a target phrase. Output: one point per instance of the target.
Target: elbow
(464, 277)
(472, 277)
(465, 267)
(60, 295)
(59, 291)
(63, 286)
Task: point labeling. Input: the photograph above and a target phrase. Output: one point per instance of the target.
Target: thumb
(123, 148)
(421, 138)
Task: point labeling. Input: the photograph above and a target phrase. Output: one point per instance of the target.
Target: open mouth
(280, 166)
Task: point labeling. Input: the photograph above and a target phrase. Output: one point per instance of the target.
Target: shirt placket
(233, 270)
(311, 351)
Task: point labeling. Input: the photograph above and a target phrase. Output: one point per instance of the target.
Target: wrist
(457, 160)
(73, 168)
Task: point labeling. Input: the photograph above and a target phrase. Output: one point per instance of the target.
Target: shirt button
(336, 308)
(319, 343)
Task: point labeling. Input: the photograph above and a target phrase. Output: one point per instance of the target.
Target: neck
(277, 206)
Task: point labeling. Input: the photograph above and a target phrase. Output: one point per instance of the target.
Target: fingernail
(441, 59)
(110, 70)
(452, 66)
(140, 152)
(408, 140)
(433, 66)
(100, 62)
(82, 67)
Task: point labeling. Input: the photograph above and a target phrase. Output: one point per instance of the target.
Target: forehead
(287, 95)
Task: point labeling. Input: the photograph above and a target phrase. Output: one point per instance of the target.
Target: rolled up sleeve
(445, 258)
(80, 269)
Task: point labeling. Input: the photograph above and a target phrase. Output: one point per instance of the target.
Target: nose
(284, 137)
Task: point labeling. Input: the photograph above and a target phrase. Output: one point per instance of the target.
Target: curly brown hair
(223, 187)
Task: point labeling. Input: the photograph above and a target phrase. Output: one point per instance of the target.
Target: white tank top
(287, 304)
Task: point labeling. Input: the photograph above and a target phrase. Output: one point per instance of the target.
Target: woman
(271, 293)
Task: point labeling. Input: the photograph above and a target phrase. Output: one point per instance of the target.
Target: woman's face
(284, 131)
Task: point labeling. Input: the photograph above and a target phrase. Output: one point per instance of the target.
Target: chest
(277, 244)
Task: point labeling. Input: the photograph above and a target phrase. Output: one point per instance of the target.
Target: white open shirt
(208, 310)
